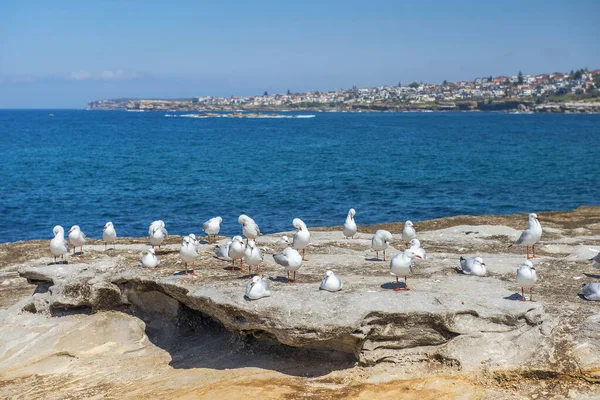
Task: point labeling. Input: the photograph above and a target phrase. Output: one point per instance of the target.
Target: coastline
(509, 106)
(183, 337)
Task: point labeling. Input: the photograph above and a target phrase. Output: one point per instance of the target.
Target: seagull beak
(419, 257)
(533, 268)
(483, 264)
(252, 283)
(70, 230)
(104, 226)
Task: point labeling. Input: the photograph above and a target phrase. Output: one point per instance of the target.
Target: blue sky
(65, 53)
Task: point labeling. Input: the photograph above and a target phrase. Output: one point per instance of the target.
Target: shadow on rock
(513, 297)
(195, 340)
(393, 285)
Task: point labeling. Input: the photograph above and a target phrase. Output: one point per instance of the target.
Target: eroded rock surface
(448, 323)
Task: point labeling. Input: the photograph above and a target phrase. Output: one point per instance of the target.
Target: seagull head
(328, 273)
(255, 280)
(480, 260)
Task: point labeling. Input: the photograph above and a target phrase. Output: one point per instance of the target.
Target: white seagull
(473, 266)
(236, 251)
(408, 233)
(331, 282)
(157, 233)
(77, 238)
(526, 278)
(149, 260)
(591, 291)
(596, 261)
(350, 225)
(381, 241)
(301, 237)
(188, 252)
(250, 228)
(290, 259)
(531, 235)
(222, 252)
(212, 227)
(257, 288)
(252, 256)
(415, 246)
(109, 235)
(58, 244)
(401, 265)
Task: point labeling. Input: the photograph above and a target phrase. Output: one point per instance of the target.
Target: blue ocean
(89, 167)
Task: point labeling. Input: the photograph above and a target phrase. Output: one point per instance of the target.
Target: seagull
(236, 251)
(77, 238)
(290, 259)
(212, 227)
(331, 282)
(58, 245)
(591, 291)
(415, 246)
(157, 233)
(154, 224)
(257, 288)
(149, 260)
(249, 228)
(252, 256)
(473, 266)
(285, 240)
(531, 235)
(526, 278)
(222, 252)
(381, 241)
(596, 261)
(350, 225)
(109, 235)
(408, 233)
(401, 265)
(301, 237)
(188, 252)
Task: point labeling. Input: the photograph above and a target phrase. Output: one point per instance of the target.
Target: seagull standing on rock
(236, 251)
(188, 252)
(252, 256)
(408, 233)
(290, 259)
(473, 266)
(109, 234)
(415, 246)
(149, 260)
(301, 237)
(526, 278)
(77, 238)
(212, 227)
(257, 288)
(250, 228)
(350, 225)
(157, 233)
(402, 265)
(381, 241)
(531, 235)
(331, 282)
(58, 244)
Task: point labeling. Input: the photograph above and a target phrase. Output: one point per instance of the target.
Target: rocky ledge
(448, 322)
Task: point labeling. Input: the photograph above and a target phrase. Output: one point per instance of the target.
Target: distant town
(575, 91)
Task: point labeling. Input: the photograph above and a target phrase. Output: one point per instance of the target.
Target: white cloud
(80, 75)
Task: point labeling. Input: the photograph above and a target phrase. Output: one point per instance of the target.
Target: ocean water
(89, 167)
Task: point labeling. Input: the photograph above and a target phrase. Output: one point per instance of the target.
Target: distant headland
(573, 92)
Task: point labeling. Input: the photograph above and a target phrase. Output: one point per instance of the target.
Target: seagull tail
(511, 245)
(462, 258)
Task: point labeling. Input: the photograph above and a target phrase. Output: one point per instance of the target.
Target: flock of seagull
(401, 265)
